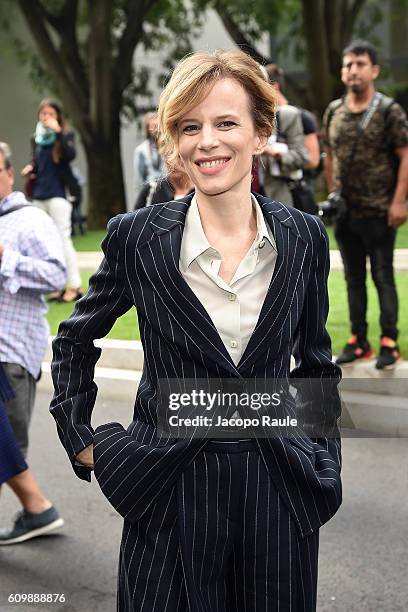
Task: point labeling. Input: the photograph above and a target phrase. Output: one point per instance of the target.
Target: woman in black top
(51, 178)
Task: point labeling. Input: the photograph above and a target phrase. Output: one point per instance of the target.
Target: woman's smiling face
(217, 140)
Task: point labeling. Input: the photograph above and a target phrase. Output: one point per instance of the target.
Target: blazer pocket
(116, 472)
(133, 473)
(110, 439)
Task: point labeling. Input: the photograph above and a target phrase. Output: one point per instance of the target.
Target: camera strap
(361, 127)
(13, 209)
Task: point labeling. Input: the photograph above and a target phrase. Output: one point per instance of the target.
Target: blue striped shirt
(31, 266)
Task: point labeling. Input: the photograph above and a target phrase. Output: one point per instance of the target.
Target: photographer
(366, 168)
(31, 265)
(286, 154)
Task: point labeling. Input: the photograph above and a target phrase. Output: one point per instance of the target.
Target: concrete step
(365, 378)
(375, 413)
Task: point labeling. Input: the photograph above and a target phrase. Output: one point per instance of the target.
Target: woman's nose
(208, 137)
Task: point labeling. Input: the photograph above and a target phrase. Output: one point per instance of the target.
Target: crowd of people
(362, 130)
(234, 173)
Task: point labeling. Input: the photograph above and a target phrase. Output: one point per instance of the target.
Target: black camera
(334, 209)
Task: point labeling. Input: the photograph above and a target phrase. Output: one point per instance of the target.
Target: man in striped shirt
(31, 265)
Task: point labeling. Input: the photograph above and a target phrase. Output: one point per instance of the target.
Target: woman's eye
(188, 129)
(227, 124)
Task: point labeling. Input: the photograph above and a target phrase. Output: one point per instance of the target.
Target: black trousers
(357, 239)
(220, 541)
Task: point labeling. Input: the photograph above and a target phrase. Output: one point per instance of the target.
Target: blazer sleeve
(74, 353)
(315, 376)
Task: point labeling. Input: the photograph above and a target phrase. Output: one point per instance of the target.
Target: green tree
(85, 49)
(317, 31)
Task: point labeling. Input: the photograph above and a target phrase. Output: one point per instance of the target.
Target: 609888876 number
(36, 598)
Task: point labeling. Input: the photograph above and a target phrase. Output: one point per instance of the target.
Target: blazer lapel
(292, 250)
(160, 260)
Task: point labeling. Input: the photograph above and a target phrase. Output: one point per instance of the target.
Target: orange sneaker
(355, 350)
(389, 354)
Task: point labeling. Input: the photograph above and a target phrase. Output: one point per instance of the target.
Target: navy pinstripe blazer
(140, 268)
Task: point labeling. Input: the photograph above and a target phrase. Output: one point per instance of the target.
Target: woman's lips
(212, 166)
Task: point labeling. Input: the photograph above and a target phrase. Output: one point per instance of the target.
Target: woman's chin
(216, 188)
(213, 190)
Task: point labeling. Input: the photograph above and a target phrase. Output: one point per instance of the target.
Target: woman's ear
(262, 142)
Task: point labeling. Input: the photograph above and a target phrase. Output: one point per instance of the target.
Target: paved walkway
(90, 260)
(363, 557)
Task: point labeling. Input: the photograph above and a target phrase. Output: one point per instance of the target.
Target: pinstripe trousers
(220, 540)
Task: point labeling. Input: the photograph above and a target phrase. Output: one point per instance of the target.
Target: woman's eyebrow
(227, 116)
(187, 120)
(218, 118)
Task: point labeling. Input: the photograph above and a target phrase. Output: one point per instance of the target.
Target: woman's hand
(85, 456)
(51, 122)
(27, 170)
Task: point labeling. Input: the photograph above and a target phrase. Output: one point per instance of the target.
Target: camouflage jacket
(368, 183)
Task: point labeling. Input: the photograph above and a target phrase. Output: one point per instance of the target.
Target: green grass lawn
(92, 239)
(126, 328)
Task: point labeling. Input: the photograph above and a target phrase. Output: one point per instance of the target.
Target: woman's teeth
(214, 162)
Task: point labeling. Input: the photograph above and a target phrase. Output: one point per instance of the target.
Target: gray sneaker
(28, 525)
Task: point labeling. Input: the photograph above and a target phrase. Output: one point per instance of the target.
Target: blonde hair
(191, 81)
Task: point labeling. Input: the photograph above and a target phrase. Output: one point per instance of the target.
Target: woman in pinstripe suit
(227, 285)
